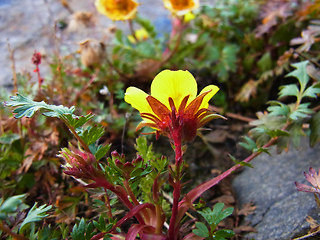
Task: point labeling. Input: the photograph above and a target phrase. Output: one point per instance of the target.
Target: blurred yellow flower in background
(117, 9)
(181, 7)
(140, 35)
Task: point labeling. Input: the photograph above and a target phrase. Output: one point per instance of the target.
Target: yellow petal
(174, 84)
(117, 10)
(138, 100)
(214, 89)
(181, 7)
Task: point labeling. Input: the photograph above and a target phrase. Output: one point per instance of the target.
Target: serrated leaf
(300, 73)
(35, 214)
(78, 231)
(301, 112)
(217, 214)
(101, 152)
(315, 129)
(201, 230)
(278, 109)
(25, 107)
(289, 90)
(77, 121)
(311, 91)
(92, 134)
(277, 133)
(249, 144)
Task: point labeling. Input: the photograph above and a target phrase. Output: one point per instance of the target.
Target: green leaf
(83, 231)
(249, 144)
(300, 73)
(223, 234)
(102, 151)
(201, 230)
(301, 112)
(77, 121)
(315, 129)
(312, 91)
(11, 204)
(289, 90)
(278, 109)
(277, 133)
(91, 134)
(217, 214)
(9, 138)
(265, 62)
(240, 162)
(229, 57)
(25, 107)
(35, 214)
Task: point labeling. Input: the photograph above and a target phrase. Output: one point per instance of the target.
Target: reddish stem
(176, 185)
(40, 80)
(109, 212)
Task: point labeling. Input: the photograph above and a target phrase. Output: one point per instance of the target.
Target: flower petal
(181, 7)
(174, 84)
(205, 102)
(117, 10)
(158, 108)
(138, 100)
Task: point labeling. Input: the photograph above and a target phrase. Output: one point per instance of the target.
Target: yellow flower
(181, 7)
(141, 34)
(117, 9)
(173, 106)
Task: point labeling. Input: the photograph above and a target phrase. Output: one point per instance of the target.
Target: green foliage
(242, 163)
(25, 107)
(290, 116)
(35, 214)
(201, 230)
(82, 231)
(11, 205)
(101, 224)
(11, 154)
(216, 215)
(315, 129)
(213, 218)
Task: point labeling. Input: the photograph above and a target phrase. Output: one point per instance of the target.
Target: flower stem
(176, 188)
(107, 200)
(73, 131)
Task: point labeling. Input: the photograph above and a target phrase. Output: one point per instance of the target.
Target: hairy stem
(173, 226)
(107, 199)
(83, 144)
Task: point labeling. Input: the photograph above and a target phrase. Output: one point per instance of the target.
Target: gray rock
(28, 25)
(281, 210)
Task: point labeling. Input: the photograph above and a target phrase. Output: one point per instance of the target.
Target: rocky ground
(29, 24)
(281, 210)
